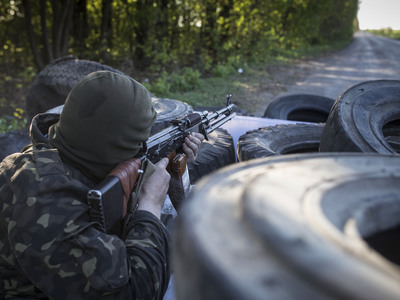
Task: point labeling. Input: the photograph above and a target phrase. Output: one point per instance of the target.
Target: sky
(377, 14)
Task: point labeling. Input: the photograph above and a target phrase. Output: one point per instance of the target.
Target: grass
(235, 77)
(387, 32)
(210, 91)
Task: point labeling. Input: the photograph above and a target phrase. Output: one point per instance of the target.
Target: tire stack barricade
(306, 213)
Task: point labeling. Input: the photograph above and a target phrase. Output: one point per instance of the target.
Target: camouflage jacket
(49, 248)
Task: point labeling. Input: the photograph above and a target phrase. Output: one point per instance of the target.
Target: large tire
(52, 85)
(365, 118)
(168, 110)
(217, 152)
(13, 141)
(279, 140)
(290, 227)
(300, 107)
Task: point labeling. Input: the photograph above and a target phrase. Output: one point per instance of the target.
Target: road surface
(368, 57)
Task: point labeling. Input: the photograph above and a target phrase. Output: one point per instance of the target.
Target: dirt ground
(367, 58)
(272, 82)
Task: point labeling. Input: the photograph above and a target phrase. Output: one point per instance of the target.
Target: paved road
(368, 57)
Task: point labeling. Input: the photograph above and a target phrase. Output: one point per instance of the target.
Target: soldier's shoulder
(32, 163)
(15, 161)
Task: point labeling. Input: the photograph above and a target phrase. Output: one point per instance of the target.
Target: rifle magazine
(106, 203)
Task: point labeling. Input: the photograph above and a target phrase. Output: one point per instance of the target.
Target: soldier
(49, 246)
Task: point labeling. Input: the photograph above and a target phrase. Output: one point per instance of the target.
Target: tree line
(157, 35)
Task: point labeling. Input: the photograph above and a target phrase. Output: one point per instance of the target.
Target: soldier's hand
(192, 144)
(154, 189)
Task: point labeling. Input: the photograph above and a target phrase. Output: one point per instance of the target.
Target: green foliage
(182, 82)
(387, 32)
(160, 87)
(212, 90)
(233, 65)
(189, 39)
(165, 35)
(222, 70)
(17, 121)
(13, 89)
(27, 74)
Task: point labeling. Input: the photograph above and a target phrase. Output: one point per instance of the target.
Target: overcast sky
(377, 14)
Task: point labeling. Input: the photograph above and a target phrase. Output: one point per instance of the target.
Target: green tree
(158, 35)
(57, 45)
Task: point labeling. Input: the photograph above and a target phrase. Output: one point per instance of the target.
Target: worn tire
(52, 85)
(13, 141)
(300, 107)
(365, 118)
(279, 140)
(290, 227)
(168, 110)
(217, 152)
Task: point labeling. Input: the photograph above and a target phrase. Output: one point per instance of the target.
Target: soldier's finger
(163, 163)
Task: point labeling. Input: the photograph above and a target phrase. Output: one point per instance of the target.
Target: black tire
(168, 110)
(217, 152)
(13, 141)
(300, 107)
(290, 227)
(365, 118)
(52, 85)
(279, 140)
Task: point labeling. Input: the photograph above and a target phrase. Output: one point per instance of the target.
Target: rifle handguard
(179, 184)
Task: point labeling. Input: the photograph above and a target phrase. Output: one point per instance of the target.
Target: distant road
(368, 57)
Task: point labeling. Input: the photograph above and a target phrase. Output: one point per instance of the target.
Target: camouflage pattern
(49, 248)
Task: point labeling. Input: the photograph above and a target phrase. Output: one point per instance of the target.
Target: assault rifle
(107, 203)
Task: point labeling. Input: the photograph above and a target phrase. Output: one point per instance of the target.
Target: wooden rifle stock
(109, 200)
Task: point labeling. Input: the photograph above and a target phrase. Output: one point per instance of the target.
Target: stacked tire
(300, 217)
(300, 107)
(311, 110)
(217, 152)
(52, 85)
(279, 140)
(365, 118)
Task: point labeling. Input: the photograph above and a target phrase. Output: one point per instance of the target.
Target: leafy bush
(17, 121)
(388, 32)
(182, 82)
(222, 70)
(160, 87)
